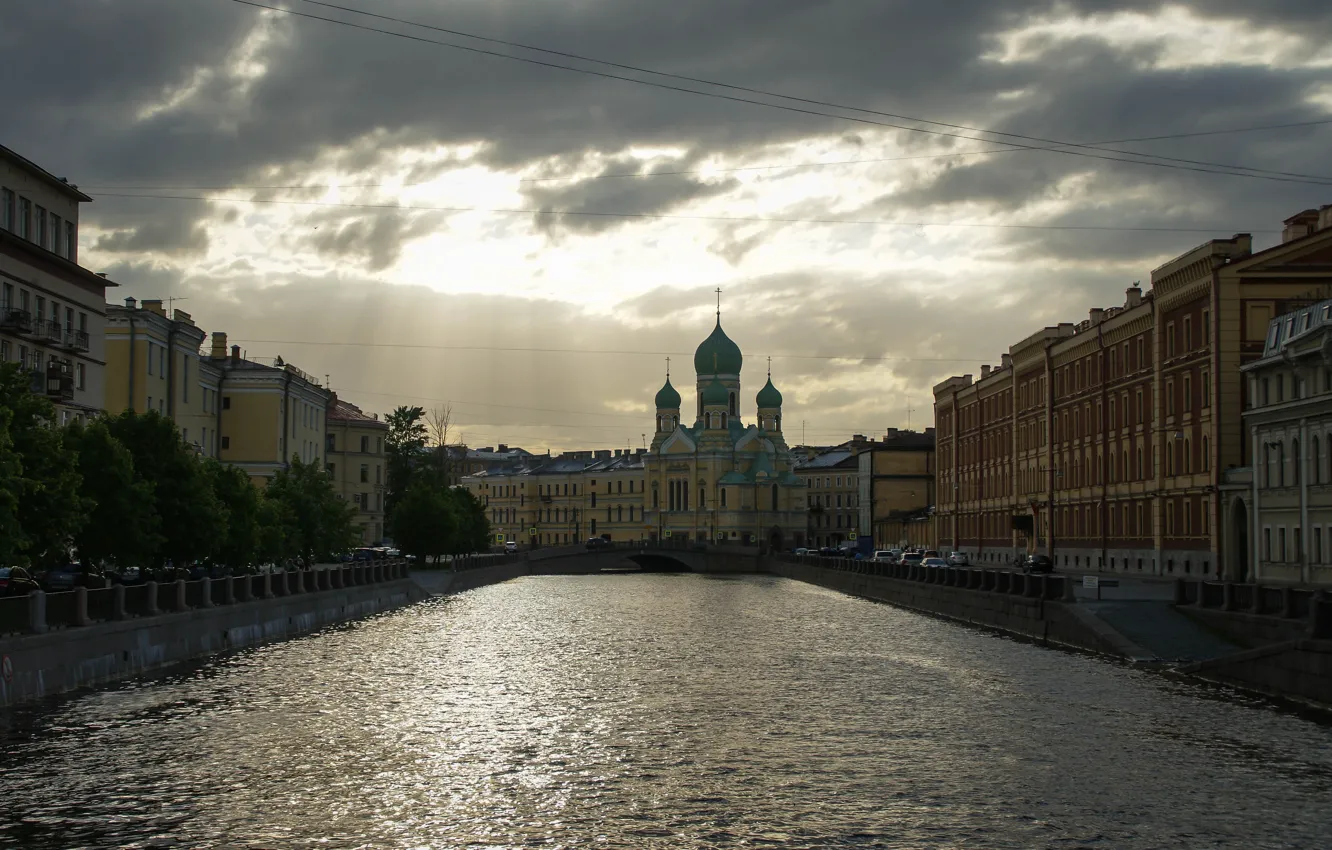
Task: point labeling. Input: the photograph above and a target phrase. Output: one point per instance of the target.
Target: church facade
(718, 479)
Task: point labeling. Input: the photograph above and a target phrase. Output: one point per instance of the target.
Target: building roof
(718, 355)
(57, 183)
(896, 440)
(828, 460)
(1292, 327)
(345, 411)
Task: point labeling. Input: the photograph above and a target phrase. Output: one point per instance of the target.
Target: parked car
(885, 556)
(801, 550)
(1038, 564)
(958, 559)
(930, 553)
(59, 578)
(592, 543)
(16, 581)
(912, 558)
(127, 575)
(511, 546)
(934, 562)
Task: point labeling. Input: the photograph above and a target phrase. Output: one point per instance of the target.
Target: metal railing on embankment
(471, 562)
(1007, 582)
(40, 612)
(1275, 603)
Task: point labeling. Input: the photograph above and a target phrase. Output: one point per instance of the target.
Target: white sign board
(1091, 582)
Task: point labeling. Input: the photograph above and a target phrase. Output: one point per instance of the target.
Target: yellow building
(52, 310)
(153, 362)
(896, 480)
(355, 460)
(722, 480)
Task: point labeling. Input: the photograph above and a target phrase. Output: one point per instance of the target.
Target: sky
(433, 225)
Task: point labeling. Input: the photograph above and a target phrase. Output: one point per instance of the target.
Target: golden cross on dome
(668, 368)
(719, 304)
(769, 368)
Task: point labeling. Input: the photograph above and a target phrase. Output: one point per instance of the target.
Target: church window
(702, 498)
(733, 408)
(774, 497)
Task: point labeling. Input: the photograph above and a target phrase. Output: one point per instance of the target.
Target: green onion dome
(768, 397)
(668, 398)
(715, 394)
(718, 355)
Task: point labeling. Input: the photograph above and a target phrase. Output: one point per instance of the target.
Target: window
(6, 209)
(1267, 543)
(1207, 327)
(226, 402)
(365, 445)
(24, 218)
(56, 231)
(723, 502)
(1139, 403)
(185, 377)
(1205, 387)
(1267, 391)
(1142, 349)
(1170, 339)
(41, 230)
(226, 442)
(365, 473)
(71, 241)
(150, 402)
(1170, 398)
(1318, 545)
(1295, 461)
(1188, 333)
(1206, 454)
(80, 376)
(1316, 463)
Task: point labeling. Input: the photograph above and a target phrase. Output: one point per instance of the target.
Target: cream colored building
(355, 459)
(896, 480)
(52, 310)
(154, 363)
(833, 491)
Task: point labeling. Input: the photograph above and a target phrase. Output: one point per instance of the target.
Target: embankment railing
(1006, 582)
(40, 611)
(1311, 605)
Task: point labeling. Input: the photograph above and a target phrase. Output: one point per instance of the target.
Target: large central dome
(718, 355)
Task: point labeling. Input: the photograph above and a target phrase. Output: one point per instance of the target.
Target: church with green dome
(719, 479)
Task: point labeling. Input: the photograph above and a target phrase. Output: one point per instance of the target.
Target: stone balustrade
(1007, 582)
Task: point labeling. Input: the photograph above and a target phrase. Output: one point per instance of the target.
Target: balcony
(75, 340)
(50, 332)
(15, 320)
(59, 382)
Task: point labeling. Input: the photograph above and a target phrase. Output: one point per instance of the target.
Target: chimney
(1006, 361)
(1132, 297)
(503, 448)
(131, 303)
(154, 305)
(235, 354)
(182, 316)
(1096, 315)
(1065, 329)
(929, 432)
(891, 434)
(219, 345)
(985, 372)
(1301, 225)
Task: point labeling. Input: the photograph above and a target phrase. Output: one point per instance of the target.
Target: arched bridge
(645, 556)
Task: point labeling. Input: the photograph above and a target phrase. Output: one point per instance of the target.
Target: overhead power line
(644, 175)
(677, 217)
(1083, 151)
(792, 98)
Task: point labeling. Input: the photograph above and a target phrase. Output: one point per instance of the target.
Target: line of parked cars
(927, 558)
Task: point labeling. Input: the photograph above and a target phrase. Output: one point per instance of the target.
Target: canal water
(661, 711)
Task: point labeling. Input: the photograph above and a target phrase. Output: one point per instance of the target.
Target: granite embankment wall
(1028, 606)
(1300, 670)
(77, 652)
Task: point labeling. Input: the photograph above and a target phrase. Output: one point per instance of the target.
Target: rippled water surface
(656, 711)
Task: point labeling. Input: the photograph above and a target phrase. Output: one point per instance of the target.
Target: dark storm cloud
(146, 226)
(375, 240)
(608, 190)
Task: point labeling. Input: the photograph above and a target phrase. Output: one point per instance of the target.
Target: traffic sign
(851, 536)
(532, 531)
(499, 538)
(721, 535)
(667, 532)
(1091, 582)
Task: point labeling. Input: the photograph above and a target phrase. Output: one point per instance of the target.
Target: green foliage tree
(48, 506)
(11, 532)
(425, 524)
(193, 521)
(317, 522)
(121, 523)
(404, 447)
(472, 525)
(243, 504)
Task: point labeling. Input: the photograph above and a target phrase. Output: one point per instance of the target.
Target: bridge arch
(662, 561)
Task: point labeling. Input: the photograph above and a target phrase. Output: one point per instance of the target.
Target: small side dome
(668, 398)
(768, 397)
(716, 395)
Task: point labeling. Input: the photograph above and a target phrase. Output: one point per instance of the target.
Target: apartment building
(154, 362)
(355, 459)
(270, 412)
(833, 490)
(52, 310)
(1107, 444)
(897, 487)
(565, 500)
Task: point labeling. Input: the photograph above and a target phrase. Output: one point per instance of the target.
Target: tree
(425, 524)
(193, 521)
(48, 506)
(404, 447)
(11, 532)
(121, 523)
(472, 525)
(317, 521)
(242, 502)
